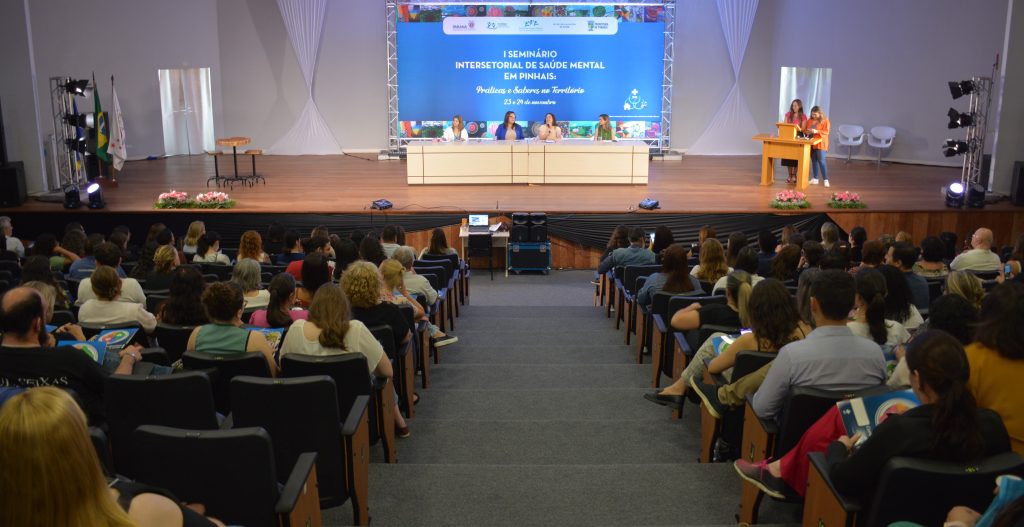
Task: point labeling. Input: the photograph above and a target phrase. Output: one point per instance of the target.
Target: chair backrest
(678, 302)
(804, 406)
(226, 367)
(478, 245)
(659, 304)
(384, 335)
(851, 132)
(283, 408)
(442, 268)
(154, 299)
(231, 472)
(449, 264)
(62, 317)
(184, 401)
(173, 339)
(440, 275)
(222, 271)
(707, 287)
(349, 371)
(435, 280)
(885, 133)
(748, 362)
(453, 258)
(938, 487)
(986, 275)
(101, 445)
(632, 272)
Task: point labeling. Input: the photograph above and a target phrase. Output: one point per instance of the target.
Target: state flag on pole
(102, 134)
(116, 148)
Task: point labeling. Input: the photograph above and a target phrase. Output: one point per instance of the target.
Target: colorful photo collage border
(570, 129)
(437, 12)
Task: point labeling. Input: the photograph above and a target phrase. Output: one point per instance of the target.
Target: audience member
(954, 315)
(965, 284)
(321, 231)
(346, 252)
(246, 275)
(154, 230)
(731, 314)
(419, 285)
(28, 358)
(274, 242)
(37, 268)
(184, 305)
(834, 260)
(931, 264)
(438, 244)
(251, 246)
(280, 311)
(948, 426)
(315, 245)
(618, 240)
(331, 330)
(105, 309)
(68, 331)
(48, 457)
(663, 238)
(145, 263)
(737, 241)
(389, 239)
(46, 246)
(86, 262)
(107, 254)
(785, 265)
(208, 250)
(224, 334)
(291, 250)
(858, 237)
(997, 358)
(869, 312)
(165, 261)
(1015, 259)
(899, 305)
(980, 257)
(712, 265)
(190, 246)
(746, 261)
(362, 284)
(13, 244)
(357, 237)
(774, 322)
(811, 254)
(370, 250)
(674, 277)
(767, 248)
(393, 288)
(120, 237)
(830, 237)
(904, 237)
(903, 256)
(872, 255)
(316, 272)
(831, 357)
(400, 237)
(635, 254)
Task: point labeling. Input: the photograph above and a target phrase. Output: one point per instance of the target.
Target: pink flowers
(212, 197)
(846, 200)
(790, 196)
(173, 195)
(180, 200)
(845, 196)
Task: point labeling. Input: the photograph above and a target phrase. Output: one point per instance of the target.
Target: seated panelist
(549, 131)
(604, 131)
(457, 131)
(508, 126)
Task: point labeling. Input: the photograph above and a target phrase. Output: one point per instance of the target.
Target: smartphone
(1007, 270)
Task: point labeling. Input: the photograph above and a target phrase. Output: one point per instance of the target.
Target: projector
(649, 204)
(381, 204)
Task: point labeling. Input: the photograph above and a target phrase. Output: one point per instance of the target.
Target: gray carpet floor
(536, 417)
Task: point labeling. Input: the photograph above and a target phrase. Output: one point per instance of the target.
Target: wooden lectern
(785, 146)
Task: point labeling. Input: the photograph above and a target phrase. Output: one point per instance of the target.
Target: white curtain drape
(186, 104)
(304, 20)
(733, 125)
(813, 86)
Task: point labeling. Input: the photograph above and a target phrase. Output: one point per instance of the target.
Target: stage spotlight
(79, 87)
(72, 200)
(76, 145)
(82, 120)
(976, 196)
(95, 196)
(955, 195)
(954, 148)
(959, 89)
(959, 120)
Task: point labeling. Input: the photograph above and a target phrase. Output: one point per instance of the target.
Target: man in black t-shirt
(28, 358)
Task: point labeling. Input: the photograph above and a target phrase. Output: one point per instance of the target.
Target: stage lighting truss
(974, 121)
(69, 130)
(396, 143)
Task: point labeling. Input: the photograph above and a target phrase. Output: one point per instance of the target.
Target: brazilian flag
(102, 130)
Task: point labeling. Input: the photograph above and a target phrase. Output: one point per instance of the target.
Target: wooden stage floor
(347, 184)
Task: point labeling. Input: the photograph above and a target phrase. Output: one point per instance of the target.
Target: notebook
(115, 339)
(94, 349)
(863, 414)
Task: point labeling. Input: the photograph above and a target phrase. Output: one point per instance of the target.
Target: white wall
(16, 91)
(1010, 139)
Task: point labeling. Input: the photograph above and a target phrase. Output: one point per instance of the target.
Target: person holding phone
(509, 129)
(456, 132)
(604, 131)
(549, 131)
(794, 116)
(818, 127)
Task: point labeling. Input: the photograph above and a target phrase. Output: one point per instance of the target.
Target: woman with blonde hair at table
(456, 132)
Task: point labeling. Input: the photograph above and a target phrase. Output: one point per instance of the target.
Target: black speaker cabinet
(520, 218)
(1017, 184)
(12, 184)
(519, 233)
(538, 218)
(539, 233)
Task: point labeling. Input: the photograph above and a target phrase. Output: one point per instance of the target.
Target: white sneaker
(826, 183)
(814, 181)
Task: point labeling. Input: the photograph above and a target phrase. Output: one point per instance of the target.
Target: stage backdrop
(576, 61)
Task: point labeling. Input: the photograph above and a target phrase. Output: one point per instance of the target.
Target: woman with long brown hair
(712, 264)
(795, 116)
(438, 244)
(674, 277)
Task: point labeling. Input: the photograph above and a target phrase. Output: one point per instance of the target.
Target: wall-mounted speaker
(12, 184)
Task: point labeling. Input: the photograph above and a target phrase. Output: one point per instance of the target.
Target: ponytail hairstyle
(941, 365)
(872, 290)
(738, 285)
(281, 288)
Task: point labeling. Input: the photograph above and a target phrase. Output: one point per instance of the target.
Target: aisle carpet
(535, 417)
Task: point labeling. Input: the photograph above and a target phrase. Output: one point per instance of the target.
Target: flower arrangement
(846, 200)
(180, 200)
(790, 199)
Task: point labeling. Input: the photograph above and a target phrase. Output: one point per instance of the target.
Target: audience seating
(173, 339)
(184, 401)
(764, 439)
(231, 472)
(154, 299)
(351, 382)
(402, 360)
(223, 272)
(917, 490)
(91, 330)
(63, 316)
(102, 447)
(223, 368)
(339, 436)
(453, 268)
(711, 429)
(441, 269)
(436, 276)
(631, 283)
(419, 342)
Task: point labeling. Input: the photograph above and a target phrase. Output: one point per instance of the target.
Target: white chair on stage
(881, 138)
(850, 135)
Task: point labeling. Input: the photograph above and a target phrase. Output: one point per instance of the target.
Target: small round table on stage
(234, 143)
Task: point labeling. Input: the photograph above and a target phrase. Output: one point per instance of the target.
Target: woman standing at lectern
(817, 126)
(796, 116)
(457, 131)
(604, 131)
(507, 127)
(549, 131)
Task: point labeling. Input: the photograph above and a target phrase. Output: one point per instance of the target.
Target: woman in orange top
(796, 116)
(818, 127)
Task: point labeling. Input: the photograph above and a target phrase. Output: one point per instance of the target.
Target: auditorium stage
(347, 184)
